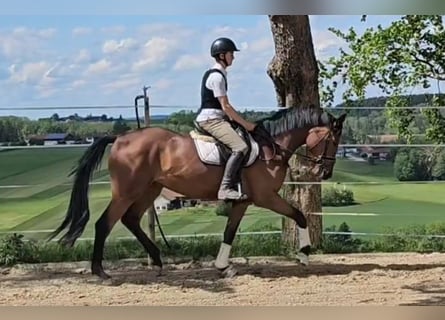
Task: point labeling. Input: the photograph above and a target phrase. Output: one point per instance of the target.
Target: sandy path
(373, 279)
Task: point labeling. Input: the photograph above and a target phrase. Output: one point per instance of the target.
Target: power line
(86, 107)
(347, 145)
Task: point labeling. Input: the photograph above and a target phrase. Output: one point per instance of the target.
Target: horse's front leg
(233, 221)
(277, 204)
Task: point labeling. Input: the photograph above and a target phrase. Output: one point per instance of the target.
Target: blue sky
(88, 60)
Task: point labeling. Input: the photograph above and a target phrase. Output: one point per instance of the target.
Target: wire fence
(361, 214)
(241, 234)
(188, 107)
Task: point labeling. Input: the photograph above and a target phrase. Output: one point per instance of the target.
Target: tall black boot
(232, 170)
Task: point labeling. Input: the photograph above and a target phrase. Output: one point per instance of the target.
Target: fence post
(151, 210)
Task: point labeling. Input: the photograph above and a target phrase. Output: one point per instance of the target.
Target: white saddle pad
(208, 151)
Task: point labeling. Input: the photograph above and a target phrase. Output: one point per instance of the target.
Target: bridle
(320, 160)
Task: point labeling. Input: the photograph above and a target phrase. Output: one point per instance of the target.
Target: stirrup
(230, 194)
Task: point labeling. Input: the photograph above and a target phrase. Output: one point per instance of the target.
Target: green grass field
(42, 205)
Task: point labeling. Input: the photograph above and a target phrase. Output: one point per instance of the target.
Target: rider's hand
(250, 126)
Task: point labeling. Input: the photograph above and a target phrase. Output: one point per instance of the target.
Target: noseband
(320, 160)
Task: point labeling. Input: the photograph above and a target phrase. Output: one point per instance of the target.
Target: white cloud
(155, 51)
(162, 84)
(191, 61)
(122, 84)
(260, 45)
(30, 73)
(113, 46)
(324, 43)
(23, 42)
(228, 31)
(81, 31)
(78, 84)
(83, 56)
(167, 30)
(23, 32)
(113, 30)
(98, 67)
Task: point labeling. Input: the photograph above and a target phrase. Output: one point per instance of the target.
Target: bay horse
(142, 162)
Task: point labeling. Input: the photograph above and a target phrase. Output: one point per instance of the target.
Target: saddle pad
(208, 152)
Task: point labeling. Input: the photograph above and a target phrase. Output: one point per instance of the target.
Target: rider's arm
(233, 115)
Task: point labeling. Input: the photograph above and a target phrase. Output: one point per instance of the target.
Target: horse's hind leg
(115, 210)
(132, 220)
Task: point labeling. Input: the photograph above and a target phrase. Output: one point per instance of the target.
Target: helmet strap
(223, 60)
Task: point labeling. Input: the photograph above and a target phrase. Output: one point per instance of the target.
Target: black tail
(78, 212)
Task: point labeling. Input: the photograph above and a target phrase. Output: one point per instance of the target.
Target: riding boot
(230, 178)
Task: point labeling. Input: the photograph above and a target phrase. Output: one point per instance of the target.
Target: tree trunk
(294, 72)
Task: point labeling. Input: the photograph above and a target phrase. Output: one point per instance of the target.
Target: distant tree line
(359, 123)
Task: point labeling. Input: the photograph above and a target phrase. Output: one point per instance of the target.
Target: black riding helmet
(222, 45)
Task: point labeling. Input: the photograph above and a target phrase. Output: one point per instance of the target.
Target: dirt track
(384, 279)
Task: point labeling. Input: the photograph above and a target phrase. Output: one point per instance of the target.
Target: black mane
(288, 119)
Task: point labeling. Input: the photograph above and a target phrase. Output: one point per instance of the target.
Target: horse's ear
(331, 118)
(342, 118)
(338, 123)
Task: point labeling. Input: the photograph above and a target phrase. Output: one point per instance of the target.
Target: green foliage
(410, 239)
(334, 197)
(404, 169)
(120, 126)
(342, 242)
(419, 165)
(408, 54)
(223, 209)
(14, 250)
(182, 117)
(438, 169)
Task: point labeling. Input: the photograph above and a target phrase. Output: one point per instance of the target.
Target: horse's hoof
(228, 272)
(303, 258)
(158, 271)
(100, 273)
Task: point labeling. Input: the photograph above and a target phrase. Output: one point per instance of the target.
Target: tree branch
(435, 73)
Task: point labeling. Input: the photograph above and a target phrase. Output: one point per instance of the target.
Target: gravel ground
(330, 280)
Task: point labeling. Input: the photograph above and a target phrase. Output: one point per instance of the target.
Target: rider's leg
(224, 132)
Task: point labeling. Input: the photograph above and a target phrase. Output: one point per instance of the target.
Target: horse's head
(322, 144)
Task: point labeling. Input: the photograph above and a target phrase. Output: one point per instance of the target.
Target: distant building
(170, 200)
(382, 138)
(381, 153)
(51, 139)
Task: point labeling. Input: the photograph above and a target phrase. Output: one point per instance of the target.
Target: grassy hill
(42, 205)
(383, 200)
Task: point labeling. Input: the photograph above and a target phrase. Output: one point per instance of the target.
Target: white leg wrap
(222, 260)
(303, 237)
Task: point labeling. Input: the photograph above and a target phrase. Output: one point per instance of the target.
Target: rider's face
(228, 57)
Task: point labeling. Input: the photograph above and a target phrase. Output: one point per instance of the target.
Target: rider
(215, 108)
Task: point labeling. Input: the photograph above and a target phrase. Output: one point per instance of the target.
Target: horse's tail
(78, 212)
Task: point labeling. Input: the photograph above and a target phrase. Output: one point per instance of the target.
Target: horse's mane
(288, 119)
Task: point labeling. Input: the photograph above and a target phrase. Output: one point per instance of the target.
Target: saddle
(211, 151)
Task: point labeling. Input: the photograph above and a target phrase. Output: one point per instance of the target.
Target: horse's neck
(293, 139)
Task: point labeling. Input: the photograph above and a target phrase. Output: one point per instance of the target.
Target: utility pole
(151, 210)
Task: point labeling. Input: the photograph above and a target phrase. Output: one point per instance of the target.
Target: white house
(167, 200)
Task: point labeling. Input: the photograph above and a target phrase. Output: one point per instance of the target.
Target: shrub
(13, 249)
(336, 198)
(223, 209)
(340, 243)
